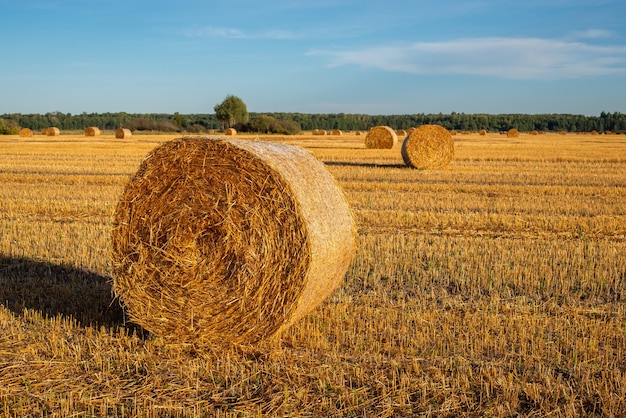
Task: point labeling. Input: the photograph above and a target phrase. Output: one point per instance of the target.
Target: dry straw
(123, 133)
(336, 132)
(428, 147)
(92, 131)
(26, 133)
(381, 137)
(482, 132)
(52, 131)
(512, 133)
(230, 131)
(319, 132)
(223, 240)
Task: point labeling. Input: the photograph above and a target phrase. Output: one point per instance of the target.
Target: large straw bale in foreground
(92, 131)
(123, 133)
(226, 240)
(428, 147)
(381, 137)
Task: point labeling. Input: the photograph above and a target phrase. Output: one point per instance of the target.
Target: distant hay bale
(534, 132)
(26, 133)
(357, 133)
(336, 132)
(224, 240)
(428, 147)
(482, 132)
(453, 132)
(92, 131)
(123, 133)
(52, 131)
(319, 132)
(230, 131)
(381, 137)
(401, 133)
(512, 133)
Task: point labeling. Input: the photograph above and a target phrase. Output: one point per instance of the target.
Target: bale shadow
(368, 165)
(64, 290)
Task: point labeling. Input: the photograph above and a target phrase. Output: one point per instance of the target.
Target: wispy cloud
(514, 58)
(318, 32)
(215, 32)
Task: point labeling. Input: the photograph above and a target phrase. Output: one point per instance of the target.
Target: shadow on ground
(59, 290)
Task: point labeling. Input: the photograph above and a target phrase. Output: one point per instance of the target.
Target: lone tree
(231, 111)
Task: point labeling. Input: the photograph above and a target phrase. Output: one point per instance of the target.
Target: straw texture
(381, 137)
(26, 133)
(428, 147)
(228, 241)
(123, 133)
(92, 131)
(52, 131)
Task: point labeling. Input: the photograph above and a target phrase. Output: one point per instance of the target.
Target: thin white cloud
(215, 32)
(306, 33)
(593, 34)
(514, 58)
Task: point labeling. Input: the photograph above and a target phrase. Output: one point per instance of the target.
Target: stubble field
(493, 287)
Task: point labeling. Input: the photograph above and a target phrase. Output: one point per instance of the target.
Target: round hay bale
(401, 133)
(123, 133)
(92, 131)
(534, 132)
(429, 146)
(453, 132)
(52, 131)
(26, 133)
(512, 133)
(319, 132)
(224, 240)
(230, 131)
(482, 132)
(381, 137)
(336, 132)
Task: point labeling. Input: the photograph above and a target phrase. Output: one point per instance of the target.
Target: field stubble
(496, 287)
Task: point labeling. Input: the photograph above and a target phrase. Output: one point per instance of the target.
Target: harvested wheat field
(495, 286)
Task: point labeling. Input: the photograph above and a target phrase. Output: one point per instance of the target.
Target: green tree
(230, 111)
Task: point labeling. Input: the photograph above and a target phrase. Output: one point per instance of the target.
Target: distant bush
(8, 127)
(143, 124)
(265, 124)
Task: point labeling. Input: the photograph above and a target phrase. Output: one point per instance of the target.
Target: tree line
(295, 122)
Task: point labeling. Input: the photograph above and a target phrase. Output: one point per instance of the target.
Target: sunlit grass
(493, 287)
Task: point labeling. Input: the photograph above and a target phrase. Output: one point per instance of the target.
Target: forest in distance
(606, 122)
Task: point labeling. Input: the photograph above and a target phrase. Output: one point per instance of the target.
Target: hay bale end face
(381, 137)
(52, 131)
(92, 131)
(230, 131)
(26, 133)
(123, 133)
(228, 241)
(428, 147)
(512, 133)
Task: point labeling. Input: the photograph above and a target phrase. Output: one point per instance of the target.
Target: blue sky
(322, 56)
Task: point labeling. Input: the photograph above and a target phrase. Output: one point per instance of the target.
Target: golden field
(493, 287)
